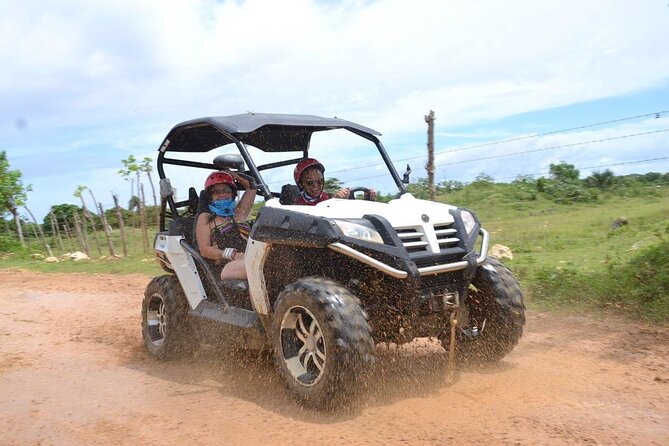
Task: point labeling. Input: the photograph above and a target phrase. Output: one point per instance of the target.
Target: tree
(564, 185)
(449, 186)
(39, 229)
(524, 180)
(332, 185)
(601, 180)
(134, 203)
(79, 194)
(64, 213)
(419, 189)
(652, 177)
(484, 178)
(564, 172)
(147, 167)
(13, 193)
(131, 168)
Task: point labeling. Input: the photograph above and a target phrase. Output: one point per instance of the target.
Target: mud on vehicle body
(326, 282)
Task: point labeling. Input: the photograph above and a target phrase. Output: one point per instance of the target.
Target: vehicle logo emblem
(425, 218)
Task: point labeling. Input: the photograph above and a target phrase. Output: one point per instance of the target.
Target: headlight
(362, 232)
(469, 221)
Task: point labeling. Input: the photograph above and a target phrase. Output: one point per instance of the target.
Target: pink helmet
(304, 165)
(220, 178)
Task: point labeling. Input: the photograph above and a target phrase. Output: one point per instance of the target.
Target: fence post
(107, 230)
(121, 225)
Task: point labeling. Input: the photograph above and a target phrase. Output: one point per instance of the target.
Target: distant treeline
(563, 185)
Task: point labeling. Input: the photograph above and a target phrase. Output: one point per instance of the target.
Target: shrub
(639, 286)
(646, 279)
(9, 243)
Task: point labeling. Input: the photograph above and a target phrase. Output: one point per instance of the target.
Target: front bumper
(424, 271)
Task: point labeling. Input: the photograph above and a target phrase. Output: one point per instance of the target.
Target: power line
(657, 114)
(531, 151)
(555, 147)
(538, 135)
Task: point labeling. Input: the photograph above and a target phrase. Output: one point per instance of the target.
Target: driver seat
(289, 193)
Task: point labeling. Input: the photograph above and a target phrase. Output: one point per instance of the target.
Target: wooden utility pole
(430, 155)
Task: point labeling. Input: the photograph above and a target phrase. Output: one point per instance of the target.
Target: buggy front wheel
(322, 342)
(496, 316)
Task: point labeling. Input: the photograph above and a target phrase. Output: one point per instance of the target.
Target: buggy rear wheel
(166, 325)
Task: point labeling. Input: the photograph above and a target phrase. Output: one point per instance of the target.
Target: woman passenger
(221, 230)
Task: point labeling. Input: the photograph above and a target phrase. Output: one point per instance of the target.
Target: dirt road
(73, 371)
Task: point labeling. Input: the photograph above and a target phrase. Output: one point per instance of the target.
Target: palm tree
(131, 167)
(147, 167)
(134, 203)
(601, 180)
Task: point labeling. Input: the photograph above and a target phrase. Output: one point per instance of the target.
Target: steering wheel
(353, 190)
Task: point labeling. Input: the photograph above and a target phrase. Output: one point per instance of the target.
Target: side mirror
(229, 161)
(405, 179)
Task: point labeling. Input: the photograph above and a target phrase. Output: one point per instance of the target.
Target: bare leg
(234, 269)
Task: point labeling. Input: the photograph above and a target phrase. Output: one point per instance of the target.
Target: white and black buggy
(326, 283)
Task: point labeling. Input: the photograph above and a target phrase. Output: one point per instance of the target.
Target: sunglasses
(312, 182)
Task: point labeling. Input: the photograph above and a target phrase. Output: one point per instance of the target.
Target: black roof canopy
(267, 132)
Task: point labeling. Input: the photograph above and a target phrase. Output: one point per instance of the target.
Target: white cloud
(110, 78)
(382, 60)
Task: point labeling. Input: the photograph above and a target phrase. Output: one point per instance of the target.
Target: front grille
(413, 239)
(426, 239)
(446, 235)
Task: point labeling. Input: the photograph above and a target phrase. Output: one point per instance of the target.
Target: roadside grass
(95, 266)
(137, 261)
(569, 257)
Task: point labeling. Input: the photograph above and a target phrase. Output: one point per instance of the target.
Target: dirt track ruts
(73, 371)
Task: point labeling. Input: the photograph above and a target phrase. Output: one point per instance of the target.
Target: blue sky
(84, 84)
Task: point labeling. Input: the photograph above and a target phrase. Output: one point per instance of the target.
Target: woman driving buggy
(308, 175)
(221, 230)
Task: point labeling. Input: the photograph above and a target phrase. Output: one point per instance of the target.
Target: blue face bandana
(223, 208)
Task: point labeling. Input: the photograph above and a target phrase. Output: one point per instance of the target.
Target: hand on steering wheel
(370, 194)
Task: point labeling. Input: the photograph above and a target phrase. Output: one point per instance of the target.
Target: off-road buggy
(326, 283)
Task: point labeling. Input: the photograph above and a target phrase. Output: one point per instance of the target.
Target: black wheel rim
(303, 346)
(156, 320)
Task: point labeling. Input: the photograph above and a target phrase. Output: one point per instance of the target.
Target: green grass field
(569, 257)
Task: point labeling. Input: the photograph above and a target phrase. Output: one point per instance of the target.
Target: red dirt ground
(73, 371)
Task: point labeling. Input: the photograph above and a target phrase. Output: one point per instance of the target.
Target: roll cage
(267, 132)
